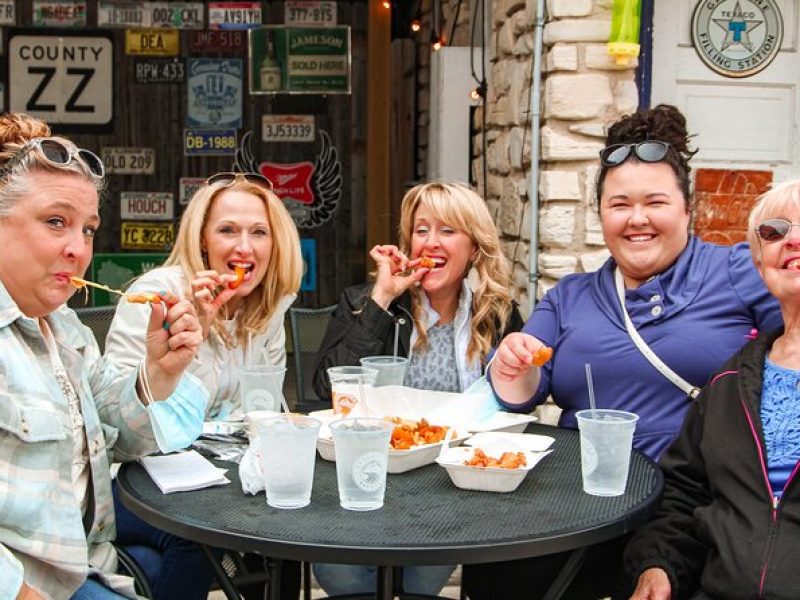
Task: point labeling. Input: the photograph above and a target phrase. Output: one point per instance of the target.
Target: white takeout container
(400, 461)
(486, 479)
(462, 412)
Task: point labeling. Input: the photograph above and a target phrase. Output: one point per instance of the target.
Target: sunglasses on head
(649, 151)
(228, 178)
(773, 230)
(58, 154)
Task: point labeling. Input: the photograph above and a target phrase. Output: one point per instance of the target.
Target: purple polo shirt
(694, 316)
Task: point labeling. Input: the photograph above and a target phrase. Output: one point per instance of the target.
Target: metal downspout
(533, 193)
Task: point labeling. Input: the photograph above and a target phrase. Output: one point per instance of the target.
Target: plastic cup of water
(261, 388)
(362, 455)
(288, 450)
(391, 369)
(606, 439)
(347, 385)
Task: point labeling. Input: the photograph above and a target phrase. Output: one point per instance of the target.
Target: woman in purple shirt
(693, 303)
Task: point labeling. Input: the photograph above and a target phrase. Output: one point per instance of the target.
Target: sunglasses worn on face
(228, 178)
(649, 151)
(773, 230)
(57, 154)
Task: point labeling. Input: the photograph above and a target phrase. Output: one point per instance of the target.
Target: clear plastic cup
(362, 455)
(261, 388)
(288, 449)
(391, 369)
(347, 385)
(606, 440)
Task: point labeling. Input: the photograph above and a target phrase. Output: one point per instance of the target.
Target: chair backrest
(98, 319)
(308, 327)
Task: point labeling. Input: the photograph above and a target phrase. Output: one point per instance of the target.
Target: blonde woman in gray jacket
(237, 256)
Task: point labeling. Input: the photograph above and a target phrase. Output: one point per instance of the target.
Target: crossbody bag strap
(651, 356)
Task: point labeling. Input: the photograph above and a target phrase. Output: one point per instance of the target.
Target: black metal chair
(98, 319)
(308, 327)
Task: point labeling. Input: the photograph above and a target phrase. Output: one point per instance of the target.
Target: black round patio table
(425, 519)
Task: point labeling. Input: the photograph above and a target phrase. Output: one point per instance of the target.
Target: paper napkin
(183, 472)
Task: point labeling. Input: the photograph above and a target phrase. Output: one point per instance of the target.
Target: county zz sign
(64, 78)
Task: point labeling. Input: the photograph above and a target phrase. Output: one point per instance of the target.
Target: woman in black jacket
(450, 315)
(729, 523)
(441, 299)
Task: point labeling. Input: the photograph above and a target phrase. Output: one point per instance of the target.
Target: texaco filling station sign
(737, 38)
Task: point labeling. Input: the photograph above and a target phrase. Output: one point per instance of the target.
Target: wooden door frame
(379, 54)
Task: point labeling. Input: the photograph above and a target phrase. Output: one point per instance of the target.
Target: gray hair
(771, 204)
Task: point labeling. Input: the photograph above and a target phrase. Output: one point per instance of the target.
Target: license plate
(209, 141)
(177, 15)
(309, 12)
(129, 161)
(147, 206)
(288, 128)
(147, 236)
(159, 70)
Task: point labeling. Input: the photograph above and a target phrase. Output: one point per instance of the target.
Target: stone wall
(582, 90)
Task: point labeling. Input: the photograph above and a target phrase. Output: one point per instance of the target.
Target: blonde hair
(17, 130)
(771, 204)
(462, 208)
(285, 267)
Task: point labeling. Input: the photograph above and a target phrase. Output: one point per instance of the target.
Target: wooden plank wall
(154, 115)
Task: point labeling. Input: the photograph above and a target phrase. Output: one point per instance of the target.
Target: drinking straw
(396, 336)
(286, 410)
(590, 387)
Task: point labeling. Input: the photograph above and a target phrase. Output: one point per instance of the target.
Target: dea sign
(737, 38)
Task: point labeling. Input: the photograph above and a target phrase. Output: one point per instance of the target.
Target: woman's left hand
(173, 337)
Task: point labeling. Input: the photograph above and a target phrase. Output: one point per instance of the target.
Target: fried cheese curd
(407, 433)
(508, 460)
(240, 273)
(143, 298)
(426, 262)
(541, 356)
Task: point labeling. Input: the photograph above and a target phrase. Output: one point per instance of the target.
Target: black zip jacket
(719, 526)
(359, 327)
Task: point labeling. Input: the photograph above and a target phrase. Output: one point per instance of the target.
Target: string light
(416, 25)
(436, 41)
(478, 92)
(387, 4)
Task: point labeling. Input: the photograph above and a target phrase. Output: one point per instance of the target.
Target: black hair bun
(664, 122)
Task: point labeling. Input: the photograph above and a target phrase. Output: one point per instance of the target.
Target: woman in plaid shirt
(64, 409)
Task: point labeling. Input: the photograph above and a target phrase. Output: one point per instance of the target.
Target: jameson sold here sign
(301, 59)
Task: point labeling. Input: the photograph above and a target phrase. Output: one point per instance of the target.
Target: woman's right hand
(653, 584)
(514, 356)
(211, 292)
(389, 284)
(514, 377)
